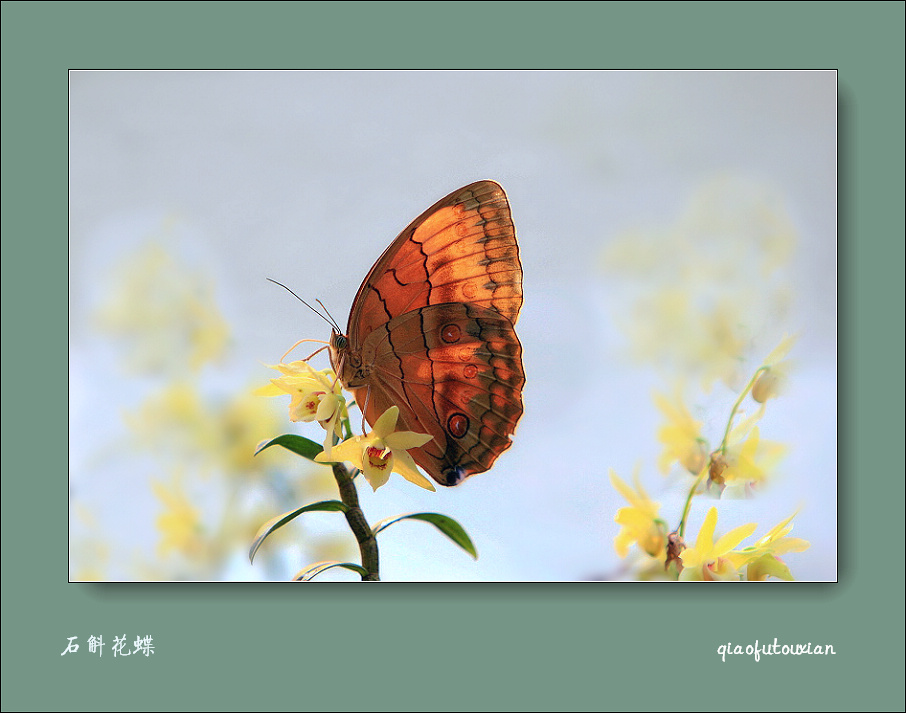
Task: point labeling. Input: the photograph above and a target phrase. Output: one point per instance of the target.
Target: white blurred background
(645, 203)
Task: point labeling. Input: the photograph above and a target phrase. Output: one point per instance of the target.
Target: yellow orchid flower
(761, 559)
(681, 436)
(708, 560)
(640, 522)
(772, 380)
(316, 396)
(180, 524)
(748, 462)
(382, 452)
(241, 423)
(308, 389)
(164, 314)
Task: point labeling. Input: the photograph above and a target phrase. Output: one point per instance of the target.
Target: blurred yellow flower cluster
(640, 522)
(163, 315)
(743, 460)
(761, 559)
(681, 436)
(180, 522)
(699, 290)
(89, 551)
(720, 561)
(738, 466)
(708, 560)
(210, 492)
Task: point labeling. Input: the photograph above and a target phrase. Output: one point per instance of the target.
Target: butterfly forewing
(462, 249)
(432, 328)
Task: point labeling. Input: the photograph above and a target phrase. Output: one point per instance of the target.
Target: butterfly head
(338, 343)
(337, 347)
(347, 362)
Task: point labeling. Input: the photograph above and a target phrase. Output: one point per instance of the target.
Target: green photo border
(452, 647)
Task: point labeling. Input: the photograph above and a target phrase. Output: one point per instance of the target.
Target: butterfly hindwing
(459, 368)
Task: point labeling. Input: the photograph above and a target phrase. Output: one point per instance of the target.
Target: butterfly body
(431, 331)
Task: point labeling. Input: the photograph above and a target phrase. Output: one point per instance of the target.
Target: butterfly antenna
(333, 325)
(336, 326)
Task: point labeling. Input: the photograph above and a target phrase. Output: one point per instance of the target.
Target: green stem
(682, 525)
(723, 447)
(357, 522)
(745, 392)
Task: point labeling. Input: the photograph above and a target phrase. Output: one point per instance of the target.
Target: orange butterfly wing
(433, 325)
(462, 249)
(455, 371)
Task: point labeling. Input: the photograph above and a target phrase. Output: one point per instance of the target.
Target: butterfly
(431, 330)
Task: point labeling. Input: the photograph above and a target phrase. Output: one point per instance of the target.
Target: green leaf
(306, 575)
(297, 444)
(446, 525)
(279, 521)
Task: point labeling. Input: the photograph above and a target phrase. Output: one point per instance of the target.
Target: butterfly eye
(341, 342)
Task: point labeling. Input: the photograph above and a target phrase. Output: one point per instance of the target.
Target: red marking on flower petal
(377, 457)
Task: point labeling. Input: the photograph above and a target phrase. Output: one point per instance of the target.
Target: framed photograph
(534, 313)
(624, 287)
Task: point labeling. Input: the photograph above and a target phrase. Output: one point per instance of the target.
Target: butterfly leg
(300, 342)
(365, 406)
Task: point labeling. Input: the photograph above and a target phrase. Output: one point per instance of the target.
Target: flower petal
(781, 349)
(405, 466)
(733, 538)
(768, 566)
(404, 440)
(386, 423)
(706, 533)
(349, 450)
(621, 487)
(269, 390)
(622, 541)
(790, 544)
(375, 476)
